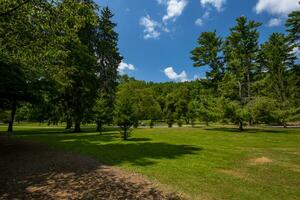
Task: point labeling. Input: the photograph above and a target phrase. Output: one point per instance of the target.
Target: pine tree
(278, 59)
(241, 51)
(108, 56)
(209, 52)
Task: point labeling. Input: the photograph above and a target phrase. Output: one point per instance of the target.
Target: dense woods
(59, 60)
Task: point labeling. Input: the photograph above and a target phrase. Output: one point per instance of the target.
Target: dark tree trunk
(69, 124)
(125, 133)
(99, 127)
(250, 122)
(151, 123)
(241, 128)
(12, 118)
(77, 127)
(284, 125)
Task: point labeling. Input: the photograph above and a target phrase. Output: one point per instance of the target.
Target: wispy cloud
(275, 22)
(172, 75)
(218, 4)
(200, 20)
(150, 27)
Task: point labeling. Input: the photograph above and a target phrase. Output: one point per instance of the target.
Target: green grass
(214, 163)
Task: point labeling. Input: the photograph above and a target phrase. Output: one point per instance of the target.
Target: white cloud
(276, 7)
(199, 22)
(174, 8)
(125, 67)
(218, 4)
(150, 27)
(172, 75)
(275, 22)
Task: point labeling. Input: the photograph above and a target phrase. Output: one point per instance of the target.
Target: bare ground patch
(29, 170)
(234, 173)
(260, 160)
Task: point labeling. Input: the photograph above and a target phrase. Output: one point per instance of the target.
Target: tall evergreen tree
(241, 51)
(278, 59)
(241, 54)
(293, 27)
(108, 58)
(209, 52)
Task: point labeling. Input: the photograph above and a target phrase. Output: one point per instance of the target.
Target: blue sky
(156, 36)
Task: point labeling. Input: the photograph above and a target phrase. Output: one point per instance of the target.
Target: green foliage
(209, 109)
(192, 113)
(209, 52)
(126, 110)
(278, 59)
(293, 26)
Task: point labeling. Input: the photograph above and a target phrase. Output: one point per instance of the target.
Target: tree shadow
(247, 130)
(139, 139)
(29, 170)
(135, 151)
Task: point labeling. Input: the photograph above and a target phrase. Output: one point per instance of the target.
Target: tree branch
(15, 8)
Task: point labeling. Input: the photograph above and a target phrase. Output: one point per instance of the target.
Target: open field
(202, 163)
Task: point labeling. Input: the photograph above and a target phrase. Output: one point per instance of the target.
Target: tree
(236, 112)
(148, 107)
(33, 37)
(192, 111)
(209, 52)
(261, 110)
(102, 112)
(277, 60)
(241, 54)
(241, 51)
(170, 109)
(209, 109)
(126, 110)
(108, 57)
(293, 26)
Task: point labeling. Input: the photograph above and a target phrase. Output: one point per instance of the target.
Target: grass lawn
(213, 163)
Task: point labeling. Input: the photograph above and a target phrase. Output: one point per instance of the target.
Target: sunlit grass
(204, 163)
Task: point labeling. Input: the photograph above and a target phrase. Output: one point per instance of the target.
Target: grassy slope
(210, 163)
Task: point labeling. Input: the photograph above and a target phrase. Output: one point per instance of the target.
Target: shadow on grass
(137, 151)
(30, 170)
(108, 147)
(248, 130)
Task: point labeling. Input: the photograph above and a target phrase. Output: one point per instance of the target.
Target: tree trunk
(77, 126)
(151, 123)
(284, 125)
(241, 128)
(125, 133)
(248, 85)
(69, 124)
(99, 127)
(12, 118)
(240, 91)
